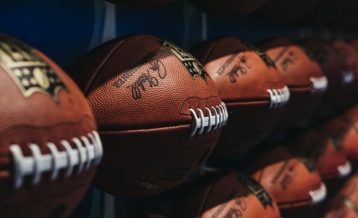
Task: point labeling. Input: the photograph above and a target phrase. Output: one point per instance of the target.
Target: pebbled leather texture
(287, 177)
(141, 93)
(243, 79)
(226, 195)
(39, 104)
(297, 68)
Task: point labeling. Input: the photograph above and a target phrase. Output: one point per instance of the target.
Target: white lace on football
(350, 204)
(278, 97)
(344, 169)
(319, 84)
(87, 152)
(208, 120)
(347, 77)
(318, 195)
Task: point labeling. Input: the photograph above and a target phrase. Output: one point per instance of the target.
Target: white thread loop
(215, 117)
(88, 152)
(278, 97)
(318, 195)
(344, 169)
(347, 77)
(55, 160)
(81, 154)
(319, 84)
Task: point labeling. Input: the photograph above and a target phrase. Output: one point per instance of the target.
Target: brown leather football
(340, 77)
(159, 113)
(143, 4)
(345, 130)
(226, 195)
(49, 145)
(286, 11)
(323, 149)
(303, 76)
(351, 56)
(250, 86)
(292, 180)
(229, 7)
(345, 204)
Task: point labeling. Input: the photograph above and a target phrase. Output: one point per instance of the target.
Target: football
(303, 76)
(49, 142)
(159, 113)
(351, 56)
(324, 151)
(226, 195)
(344, 204)
(343, 130)
(335, 68)
(250, 86)
(291, 179)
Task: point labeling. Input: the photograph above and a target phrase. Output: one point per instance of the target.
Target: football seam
(85, 117)
(114, 130)
(99, 68)
(209, 52)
